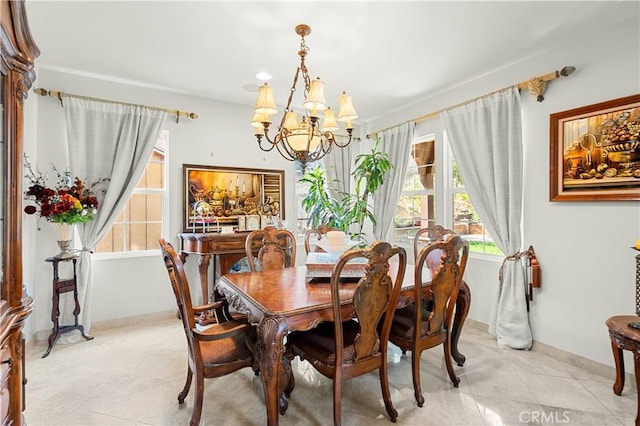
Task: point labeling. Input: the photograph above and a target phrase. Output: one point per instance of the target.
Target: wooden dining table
(281, 301)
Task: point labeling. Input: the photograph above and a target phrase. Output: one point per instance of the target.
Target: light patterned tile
(132, 376)
(562, 392)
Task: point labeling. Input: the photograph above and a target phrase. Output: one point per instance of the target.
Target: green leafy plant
(348, 209)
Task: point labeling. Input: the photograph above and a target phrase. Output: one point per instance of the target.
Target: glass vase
(64, 232)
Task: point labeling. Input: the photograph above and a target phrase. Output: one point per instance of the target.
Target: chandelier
(307, 139)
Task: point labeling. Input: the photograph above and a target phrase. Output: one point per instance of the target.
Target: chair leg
(415, 367)
(250, 341)
(386, 394)
(447, 360)
(337, 398)
(197, 402)
(185, 390)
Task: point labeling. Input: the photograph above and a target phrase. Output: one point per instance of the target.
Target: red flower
(91, 202)
(45, 210)
(62, 202)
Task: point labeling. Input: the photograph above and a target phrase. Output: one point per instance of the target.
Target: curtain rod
(57, 94)
(535, 85)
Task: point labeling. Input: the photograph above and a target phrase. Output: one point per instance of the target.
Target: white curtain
(397, 143)
(106, 140)
(337, 164)
(486, 140)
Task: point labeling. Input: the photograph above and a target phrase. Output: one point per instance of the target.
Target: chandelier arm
(339, 145)
(285, 155)
(325, 146)
(269, 148)
(266, 136)
(285, 151)
(282, 143)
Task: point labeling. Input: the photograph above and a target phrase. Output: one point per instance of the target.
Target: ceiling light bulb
(263, 75)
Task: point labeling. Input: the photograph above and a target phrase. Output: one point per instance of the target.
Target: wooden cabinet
(17, 53)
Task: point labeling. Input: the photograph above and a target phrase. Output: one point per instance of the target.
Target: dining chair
(420, 326)
(319, 233)
(218, 350)
(352, 345)
(277, 248)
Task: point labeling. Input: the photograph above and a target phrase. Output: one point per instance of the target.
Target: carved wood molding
(16, 43)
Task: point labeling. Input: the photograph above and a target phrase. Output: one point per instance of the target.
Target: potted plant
(349, 209)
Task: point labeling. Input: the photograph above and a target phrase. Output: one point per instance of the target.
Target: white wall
(133, 286)
(588, 268)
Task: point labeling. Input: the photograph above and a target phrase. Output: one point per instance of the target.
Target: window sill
(496, 258)
(126, 254)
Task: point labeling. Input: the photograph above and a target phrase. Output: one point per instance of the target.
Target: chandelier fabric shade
(305, 138)
(266, 104)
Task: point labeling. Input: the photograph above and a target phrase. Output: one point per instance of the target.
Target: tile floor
(132, 375)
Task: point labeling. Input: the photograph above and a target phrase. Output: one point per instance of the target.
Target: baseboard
(594, 367)
(43, 335)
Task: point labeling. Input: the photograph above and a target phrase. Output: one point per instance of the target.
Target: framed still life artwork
(595, 152)
(232, 196)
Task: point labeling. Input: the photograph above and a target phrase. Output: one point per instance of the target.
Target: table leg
(203, 269)
(270, 352)
(462, 309)
(206, 317)
(55, 314)
(636, 362)
(619, 361)
(76, 312)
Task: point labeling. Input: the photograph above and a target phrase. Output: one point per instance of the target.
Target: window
(416, 206)
(140, 224)
(466, 222)
(433, 196)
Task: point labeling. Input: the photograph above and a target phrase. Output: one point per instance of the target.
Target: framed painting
(595, 152)
(216, 196)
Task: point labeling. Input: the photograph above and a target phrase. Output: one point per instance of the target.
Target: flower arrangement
(69, 201)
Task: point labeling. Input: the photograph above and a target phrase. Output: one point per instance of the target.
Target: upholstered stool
(625, 337)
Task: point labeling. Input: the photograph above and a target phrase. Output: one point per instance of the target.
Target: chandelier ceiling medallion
(307, 139)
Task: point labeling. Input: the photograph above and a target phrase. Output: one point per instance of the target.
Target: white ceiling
(385, 54)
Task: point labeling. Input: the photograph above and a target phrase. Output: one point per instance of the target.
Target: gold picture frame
(218, 195)
(595, 152)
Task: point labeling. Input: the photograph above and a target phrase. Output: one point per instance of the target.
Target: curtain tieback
(516, 256)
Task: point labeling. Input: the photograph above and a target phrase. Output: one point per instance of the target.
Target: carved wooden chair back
(277, 248)
(220, 349)
(426, 236)
(318, 234)
(355, 344)
(420, 326)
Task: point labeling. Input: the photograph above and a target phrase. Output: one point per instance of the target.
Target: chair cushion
(402, 325)
(229, 350)
(318, 344)
(242, 265)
